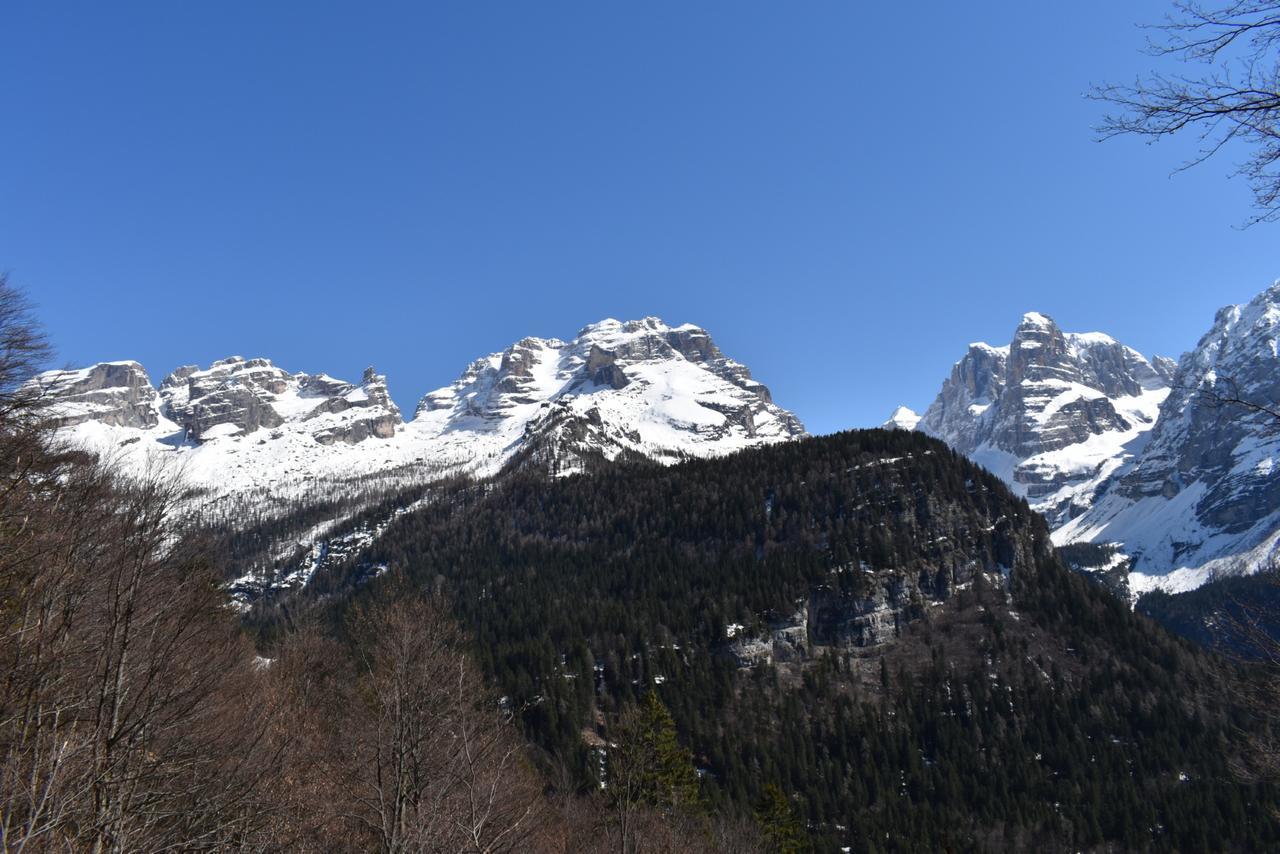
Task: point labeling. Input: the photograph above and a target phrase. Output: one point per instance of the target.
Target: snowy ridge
(1152, 456)
(244, 427)
(640, 386)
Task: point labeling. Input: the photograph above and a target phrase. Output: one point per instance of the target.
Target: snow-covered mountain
(1054, 414)
(1176, 464)
(639, 387)
(1203, 497)
(903, 418)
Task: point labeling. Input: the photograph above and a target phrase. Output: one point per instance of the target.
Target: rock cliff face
(232, 393)
(118, 394)
(236, 397)
(1203, 496)
(1174, 463)
(1053, 413)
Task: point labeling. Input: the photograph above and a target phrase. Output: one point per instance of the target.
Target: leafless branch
(1234, 102)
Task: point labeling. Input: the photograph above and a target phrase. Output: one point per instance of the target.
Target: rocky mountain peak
(903, 418)
(118, 394)
(1049, 412)
(1038, 352)
(232, 396)
(637, 388)
(637, 385)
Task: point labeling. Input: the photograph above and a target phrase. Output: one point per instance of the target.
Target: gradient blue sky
(845, 194)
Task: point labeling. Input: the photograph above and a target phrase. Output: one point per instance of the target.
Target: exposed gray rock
(888, 602)
(602, 369)
(376, 415)
(248, 395)
(232, 392)
(1165, 367)
(1204, 495)
(861, 621)
(1053, 413)
(115, 393)
(594, 397)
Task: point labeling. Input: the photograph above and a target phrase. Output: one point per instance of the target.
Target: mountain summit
(638, 387)
(1053, 413)
(617, 387)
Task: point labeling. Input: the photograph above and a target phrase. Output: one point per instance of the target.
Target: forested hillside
(866, 621)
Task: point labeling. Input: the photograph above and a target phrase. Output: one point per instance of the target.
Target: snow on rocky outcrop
(235, 397)
(641, 386)
(903, 418)
(118, 394)
(1203, 497)
(239, 425)
(1054, 414)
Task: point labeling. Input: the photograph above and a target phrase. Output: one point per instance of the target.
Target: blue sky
(844, 194)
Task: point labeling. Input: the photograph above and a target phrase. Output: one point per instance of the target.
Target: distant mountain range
(639, 388)
(1172, 461)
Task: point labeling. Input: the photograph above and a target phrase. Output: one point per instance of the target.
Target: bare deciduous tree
(1225, 392)
(1234, 96)
(402, 748)
(23, 350)
(122, 725)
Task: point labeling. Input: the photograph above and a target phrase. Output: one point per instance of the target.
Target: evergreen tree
(650, 765)
(780, 824)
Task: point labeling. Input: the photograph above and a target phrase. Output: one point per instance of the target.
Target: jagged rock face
(639, 386)
(232, 393)
(1200, 428)
(831, 619)
(376, 415)
(117, 394)
(1167, 368)
(1204, 494)
(862, 621)
(1053, 413)
(236, 396)
(635, 389)
(603, 369)
(959, 414)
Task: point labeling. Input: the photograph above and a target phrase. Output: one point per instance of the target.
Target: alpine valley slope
(1113, 448)
(248, 427)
